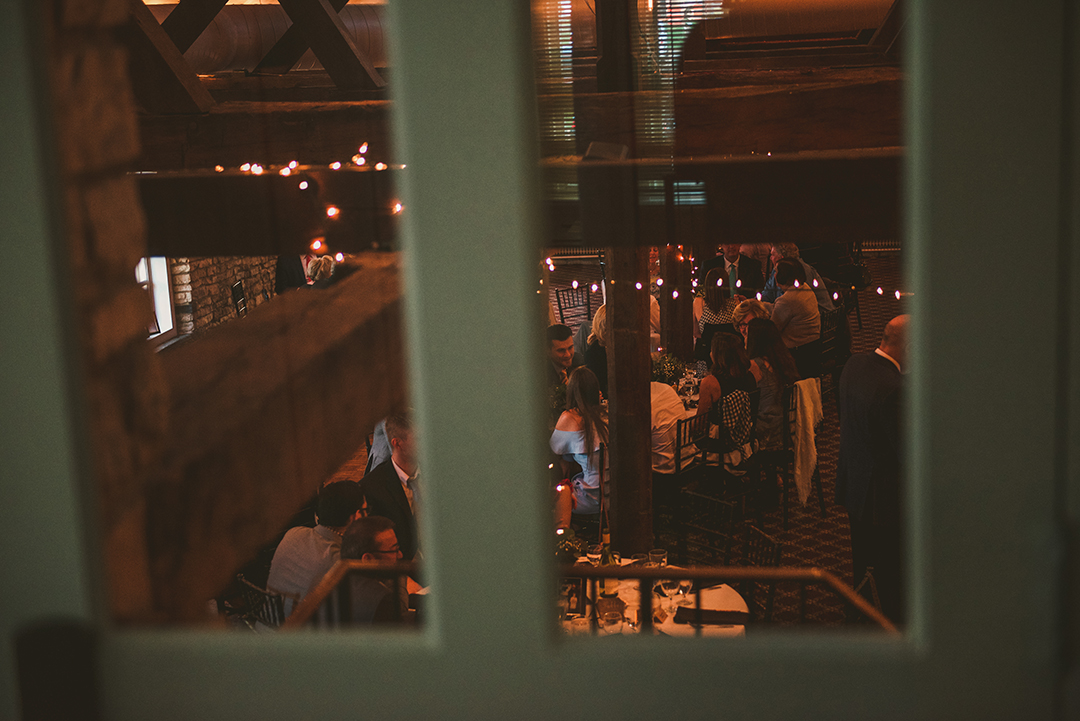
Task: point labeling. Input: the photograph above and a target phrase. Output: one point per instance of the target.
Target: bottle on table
(607, 558)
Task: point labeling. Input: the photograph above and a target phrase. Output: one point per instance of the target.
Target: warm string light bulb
(335, 165)
(880, 291)
(316, 244)
(637, 285)
(398, 207)
(574, 285)
(286, 172)
(332, 211)
(659, 282)
(303, 185)
(256, 169)
(339, 258)
(293, 164)
(796, 283)
(245, 167)
(898, 295)
(380, 166)
(674, 294)
(759, 296)
(363, 148)
(738, 282)
(595, 287)
(219, 169)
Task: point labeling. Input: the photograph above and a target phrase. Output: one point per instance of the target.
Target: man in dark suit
(741, 272)
(868, 474)
(392, 488)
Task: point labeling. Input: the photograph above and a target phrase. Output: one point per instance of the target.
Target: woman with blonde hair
(747, 311)
(579, 433)
(596, 349)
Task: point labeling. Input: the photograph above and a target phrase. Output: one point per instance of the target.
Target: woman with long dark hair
(712, 312)
(578, 435)
(725, 395)
(773, 368)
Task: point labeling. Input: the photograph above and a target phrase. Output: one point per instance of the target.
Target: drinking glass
(611, 623)
(670, 587)
(658, 556)
(684, 591)
(630, 616)
(593, 554)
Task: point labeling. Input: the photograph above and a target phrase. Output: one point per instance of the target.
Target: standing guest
(725, 395)
(580, 431)
(712, 312)
(868, 473)
(292, 272)
(305, 554)
(741, 273)
(380, 449)
(392, 488)
(790, 250)
(748, 310)
(596, 349)
(375, 600)
(773, 368)
(796, 316)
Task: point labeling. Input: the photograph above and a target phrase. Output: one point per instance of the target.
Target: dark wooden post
(676, 313)
(629, 371)
(615, 66)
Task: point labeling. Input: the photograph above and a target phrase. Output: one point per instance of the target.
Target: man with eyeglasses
(375, 600)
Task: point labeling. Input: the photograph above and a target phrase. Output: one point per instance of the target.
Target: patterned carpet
(810, 540)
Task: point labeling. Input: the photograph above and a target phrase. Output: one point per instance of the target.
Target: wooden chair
(261, 608)
(759, 549)
(717, 481)
(835, 344)
(706, 529)
(688, 432)
(575, 303)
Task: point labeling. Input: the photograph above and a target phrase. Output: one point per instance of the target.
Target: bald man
(868, 475)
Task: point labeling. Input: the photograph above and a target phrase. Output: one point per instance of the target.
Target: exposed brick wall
(202, 288)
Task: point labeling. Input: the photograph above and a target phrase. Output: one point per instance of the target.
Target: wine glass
(670, 587)
(685, 585)
(658, 557)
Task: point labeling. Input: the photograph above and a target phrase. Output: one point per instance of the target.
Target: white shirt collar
(883, 354)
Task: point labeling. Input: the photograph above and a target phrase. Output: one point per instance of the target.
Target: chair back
(261, 606)
(832, 350)
(759, 549)
(688, 431)
(574, 304)
(788, 409)
(706, 528)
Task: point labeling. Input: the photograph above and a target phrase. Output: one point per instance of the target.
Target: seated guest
(391, 487)
(560, 353)
(748, 310)
(712, 312)
(580, 430)
(725, 395)
(773, 367)
(305, 554)
(790, 250)
(596, 350)
(666, 410)
(292, 272)
(796, 316)
(319, 272)
(375, 600)
(654, 324)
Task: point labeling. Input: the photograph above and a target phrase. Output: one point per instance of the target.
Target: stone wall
(202, 288)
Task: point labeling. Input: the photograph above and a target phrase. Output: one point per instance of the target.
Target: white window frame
(992, 417)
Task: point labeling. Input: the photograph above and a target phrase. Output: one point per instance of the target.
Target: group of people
(303, 271)
(754, 349)
(373, 520)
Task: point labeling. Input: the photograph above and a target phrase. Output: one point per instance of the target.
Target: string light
(719, 282)
(335, 165)
(796, 283)
(694, 283)
(359, 160)
(815, 282)
(245, 167)
(363, 148)
(550, 466)
(574, 285)
(380, 166)
(316, 244)
(738, 282)
(637, 285)
(759, 296)
(286, 172)
(332, 211)
(256, 169)
(219, 168)
(880, 291)
(898, 295)
(659, 282)
(674, 294)
(339, 258)
(398, 207)
(836, 296)
(303, 185)
(594, 287)
(292, 164)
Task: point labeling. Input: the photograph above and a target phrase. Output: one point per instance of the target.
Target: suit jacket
(868, 472)
(385, 497)
(753, 280)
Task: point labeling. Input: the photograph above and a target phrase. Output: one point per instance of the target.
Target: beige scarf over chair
(807, 417)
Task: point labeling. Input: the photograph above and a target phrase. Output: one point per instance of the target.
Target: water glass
(611, 623)
(658, 557)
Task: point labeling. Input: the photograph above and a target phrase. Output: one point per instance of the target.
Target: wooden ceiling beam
(189, 19)
(289, 48)
(321, 27)
(262, 411)
(162, 80)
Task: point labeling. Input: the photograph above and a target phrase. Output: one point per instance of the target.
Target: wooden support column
(676, 314)
(629, 371)
(615, 66)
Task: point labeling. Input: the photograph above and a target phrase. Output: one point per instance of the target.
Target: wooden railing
(328, 603)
